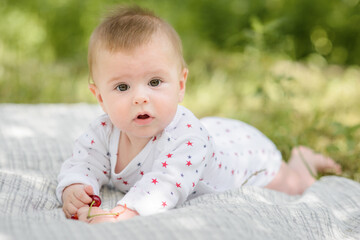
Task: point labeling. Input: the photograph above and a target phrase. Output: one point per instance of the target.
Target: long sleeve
(90, 162)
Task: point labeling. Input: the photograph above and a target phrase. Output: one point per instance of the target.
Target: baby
(151, 148)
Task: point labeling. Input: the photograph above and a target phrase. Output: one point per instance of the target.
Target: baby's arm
(74, 197)
(87, 169)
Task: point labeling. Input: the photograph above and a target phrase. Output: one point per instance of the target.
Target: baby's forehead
(103, 49)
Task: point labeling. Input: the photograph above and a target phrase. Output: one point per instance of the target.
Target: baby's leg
(296, 176)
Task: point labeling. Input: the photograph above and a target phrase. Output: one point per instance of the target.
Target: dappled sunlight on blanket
(16, 131)
(5, 236)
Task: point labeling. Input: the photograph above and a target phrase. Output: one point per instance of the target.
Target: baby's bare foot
(301, 171)
(309, 164)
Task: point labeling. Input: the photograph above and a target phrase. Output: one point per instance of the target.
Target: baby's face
(140, 89)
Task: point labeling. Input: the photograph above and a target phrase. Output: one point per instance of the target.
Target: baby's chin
(144, 134)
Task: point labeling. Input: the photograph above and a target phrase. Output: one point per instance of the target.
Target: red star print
(232, 172)
(188, 163)
(164, 164)
(92, 141)
(103, 124)
(105, 172)
(125, 182)
(164, 204)
(169, 155)
(142, 173)
(193, 184)
(154, 139)
(189, 125)
(189, 143)
(178, 185)
(154, 181)
(220, 165)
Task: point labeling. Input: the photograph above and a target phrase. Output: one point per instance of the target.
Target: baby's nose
(141, 100)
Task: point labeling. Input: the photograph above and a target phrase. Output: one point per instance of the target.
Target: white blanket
(35, 139)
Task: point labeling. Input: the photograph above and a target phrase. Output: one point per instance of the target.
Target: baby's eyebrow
(116, 79)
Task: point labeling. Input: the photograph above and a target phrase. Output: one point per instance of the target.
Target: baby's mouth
(143, 116)
(144, 119)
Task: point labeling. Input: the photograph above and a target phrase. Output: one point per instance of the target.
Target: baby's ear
(182, 82)
(95, 91)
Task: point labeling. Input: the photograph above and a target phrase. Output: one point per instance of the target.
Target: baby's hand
(74, 197)
(124, 212)
(98, 215)
(95, 215)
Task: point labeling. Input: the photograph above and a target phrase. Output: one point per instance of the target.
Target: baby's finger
(83, 214)
(69, 210)
(89, 189)
(83, 197)
(78, 203)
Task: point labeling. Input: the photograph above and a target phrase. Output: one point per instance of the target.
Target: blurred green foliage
(295, 27)
(47, 40)
(288, 67)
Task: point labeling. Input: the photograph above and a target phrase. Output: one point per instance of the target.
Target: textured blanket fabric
(35, 139)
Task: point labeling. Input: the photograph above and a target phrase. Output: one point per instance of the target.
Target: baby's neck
(128, 149)
(133, 142)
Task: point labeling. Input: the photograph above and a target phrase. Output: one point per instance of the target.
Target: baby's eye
(155, 82)
(122, 87)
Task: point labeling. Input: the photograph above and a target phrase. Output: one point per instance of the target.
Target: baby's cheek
(168, 112)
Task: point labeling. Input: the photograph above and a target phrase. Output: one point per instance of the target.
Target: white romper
(189, 158)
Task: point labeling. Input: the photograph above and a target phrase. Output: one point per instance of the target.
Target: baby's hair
(127, 28)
